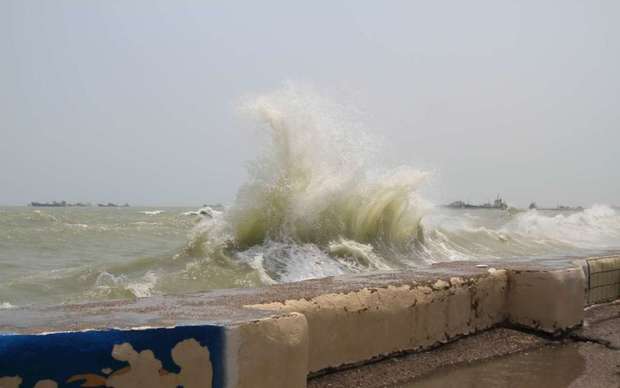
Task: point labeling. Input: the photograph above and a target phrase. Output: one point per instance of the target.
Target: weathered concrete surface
(395, 371)
(599, 365)
(602, 325)
(360, 325)
(602, 367)
(271, 352)
(549, 301)
(348, 328)
(578, 365)
(601, 351)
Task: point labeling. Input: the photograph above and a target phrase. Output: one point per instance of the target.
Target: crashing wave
(532, 233)
(206, 211)
(595, 227)
(314, 182)
(313, 191)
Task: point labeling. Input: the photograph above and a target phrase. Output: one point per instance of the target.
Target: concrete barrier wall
(249, 355)
(357, 326)
(277, 336)
(271, 352)
(550, 301)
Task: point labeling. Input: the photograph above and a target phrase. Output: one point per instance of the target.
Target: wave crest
(314, 183)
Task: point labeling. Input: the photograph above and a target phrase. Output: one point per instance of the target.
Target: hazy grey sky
(135, 100)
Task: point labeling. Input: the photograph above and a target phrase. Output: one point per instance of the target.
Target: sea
(316, 203)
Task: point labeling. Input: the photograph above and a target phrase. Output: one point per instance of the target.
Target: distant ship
(497, 204)
(77, 204)
(58, 204)
(110, 204)
(533, 206)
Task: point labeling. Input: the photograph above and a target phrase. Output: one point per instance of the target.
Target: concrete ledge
(276, 336)
(549, 301)
(361, 325)
(270, 352)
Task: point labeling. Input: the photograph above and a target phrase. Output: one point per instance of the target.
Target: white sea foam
(204, 211)
(152, 212)
(595, 227)
(77, 226)
(108, 284)
(454, 236)
(144, 287)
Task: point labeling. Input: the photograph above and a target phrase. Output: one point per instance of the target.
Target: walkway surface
(588, 357)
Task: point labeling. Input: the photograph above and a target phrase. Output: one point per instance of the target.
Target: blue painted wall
(62, 355)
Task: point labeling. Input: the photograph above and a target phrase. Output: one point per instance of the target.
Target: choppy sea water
(58, 255)
(317, 202)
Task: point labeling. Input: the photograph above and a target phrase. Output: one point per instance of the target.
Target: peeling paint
(144, 370)
(146, 358)
(46, 384)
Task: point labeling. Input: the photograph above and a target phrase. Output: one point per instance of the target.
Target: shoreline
(306, 328)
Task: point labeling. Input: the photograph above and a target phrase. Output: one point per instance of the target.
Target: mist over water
(316, 203)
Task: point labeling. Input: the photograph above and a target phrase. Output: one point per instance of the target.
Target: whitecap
(204, 211)
(152, 212)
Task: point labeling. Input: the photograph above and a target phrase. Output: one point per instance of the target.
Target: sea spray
(314, 182)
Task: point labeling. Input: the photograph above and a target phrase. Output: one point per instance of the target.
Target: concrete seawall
(277, 336)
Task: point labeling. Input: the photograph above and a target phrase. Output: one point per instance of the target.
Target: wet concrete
(602, 366)
(553, 366)
(602, 325)
(573, 365)
(502, 357)
(397, 371)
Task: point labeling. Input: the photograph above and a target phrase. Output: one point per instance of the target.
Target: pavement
(602, 325)
(587, 357)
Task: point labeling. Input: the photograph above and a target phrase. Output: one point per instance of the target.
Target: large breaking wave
(316, 204)
(313, 182)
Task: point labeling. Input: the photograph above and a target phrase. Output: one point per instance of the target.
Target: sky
(136, 101)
